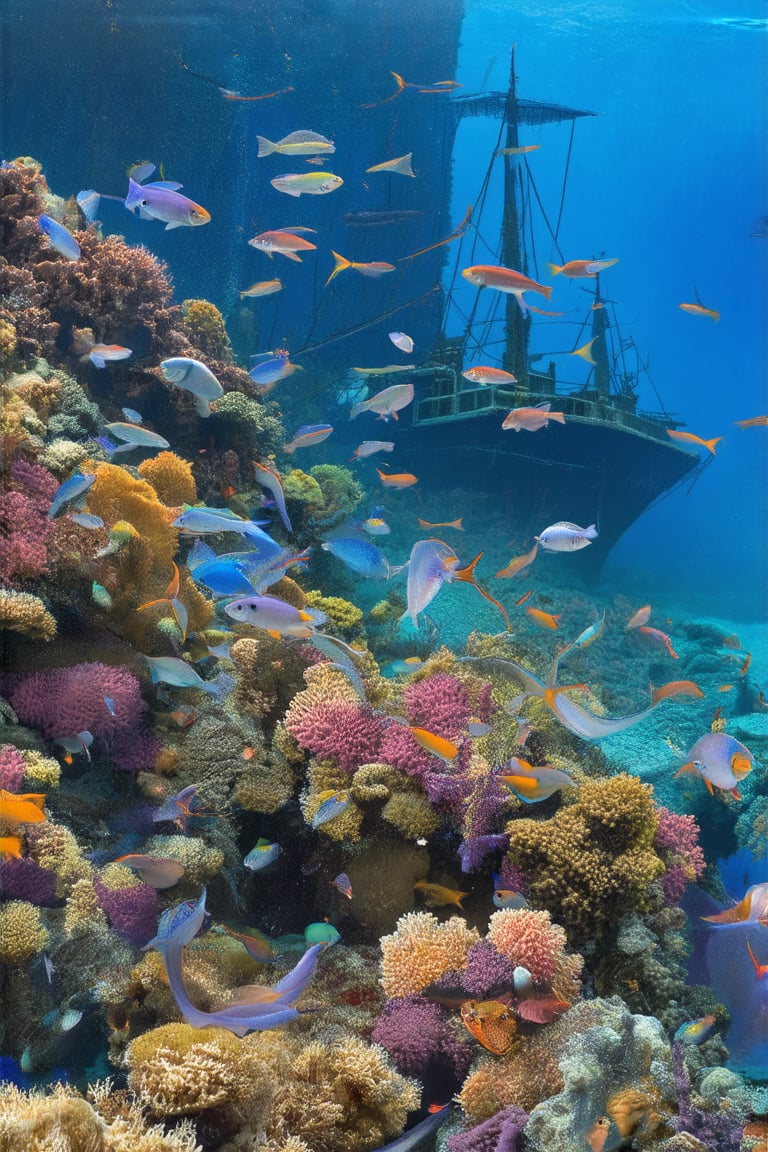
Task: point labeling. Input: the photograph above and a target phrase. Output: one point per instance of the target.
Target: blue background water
(670, 177)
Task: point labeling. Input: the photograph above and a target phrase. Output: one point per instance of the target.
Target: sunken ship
(610, 461)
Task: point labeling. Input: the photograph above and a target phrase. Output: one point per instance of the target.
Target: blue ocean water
(666, 175)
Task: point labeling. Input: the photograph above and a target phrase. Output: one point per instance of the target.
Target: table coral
(171, 477)
(421, 950)
(594, 859)
(22, 932)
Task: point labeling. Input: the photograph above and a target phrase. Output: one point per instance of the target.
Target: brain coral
(594, 860)
(421, 950)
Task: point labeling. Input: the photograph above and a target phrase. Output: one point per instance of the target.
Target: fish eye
(144, 203)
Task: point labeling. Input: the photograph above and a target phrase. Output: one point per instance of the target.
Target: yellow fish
(435, 895)
(18, 808)
(586, 351)
(10, 846)
(401, 165)
(437, 745)
(700, 310)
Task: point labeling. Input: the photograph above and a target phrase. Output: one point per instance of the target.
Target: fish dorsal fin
(201, 553)
(544, 406)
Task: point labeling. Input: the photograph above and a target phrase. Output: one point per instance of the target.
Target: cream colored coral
(41, 773)
(56, 848)
(83, 913)
(177, 1070)
(421, 949)
(199, 860)
(22, 612)
(22, 932)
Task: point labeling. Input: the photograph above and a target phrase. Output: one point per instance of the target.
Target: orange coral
(421, 950)
(116, 495)
(171, 477)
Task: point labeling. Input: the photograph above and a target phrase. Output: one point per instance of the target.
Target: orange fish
(543, 619)
(483, 374)
(519, 151)
(436, 895)
(689, 438)
(755, 422)
(248, 753)
(585, 352)
(504, 280)
(658, 639)
(518, 564)
(437, 745)
(457, 524)
(523, 599)
(373, 268)
(10, 846)
(761, 969)
(171, 598)
(531, 419)
(597, 1135)
(576, 269)
(641, 617)
(491, 1023)
(731, 641)
(22, 808)
(745, 666)
(725, 688)
(184, 716)
(700, 310)
(397, 479)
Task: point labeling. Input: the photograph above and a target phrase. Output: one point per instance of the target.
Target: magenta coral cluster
(439, 703)
(12, 768)
(348, 733)
(65, 701)
(22, 879)
(131, 912)
(421, 1041)
(487, 972)
(24, 525)
(677, 842)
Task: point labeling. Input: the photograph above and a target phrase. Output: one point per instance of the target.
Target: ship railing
(453, 403)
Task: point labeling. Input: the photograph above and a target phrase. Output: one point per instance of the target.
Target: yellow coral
(117, 496)
(177, 1070)
(297, 485)
(324, 778)
(199, 860)
(83, 912)
(171, 477)
(22, 932)
(56, 848)
(25, 613)
(343, 616)
(207, 329)
(41, 773)
(411, 813)
(421, 950)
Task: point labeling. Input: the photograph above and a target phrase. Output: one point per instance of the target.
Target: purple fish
(157, 202)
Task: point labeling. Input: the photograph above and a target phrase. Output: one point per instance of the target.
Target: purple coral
(422, 1043)
(439, 703)
(677, 842)
(65, 701)
(132, 912)
(24, 523)
(487, 971)
(136, 750)
(22, 879)
(12, 768)
(717, 1132)
(348, 733)
(499, 1134)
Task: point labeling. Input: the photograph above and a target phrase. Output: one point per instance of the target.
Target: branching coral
(329, 720)
(24, 526)
(677, 842)
(421, 950)
(421, 1041)
(22, 932)
(171, 477)
(594, 859)
(177, 1070)
(529, 939)
(27, 614)
(65, 701)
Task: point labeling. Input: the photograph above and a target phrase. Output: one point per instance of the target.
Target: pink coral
(529, 939)
(447, 786)
(439, 703)
(677, 842)
(342, 731)
(24, 523)
(65, 701)
(12, 768)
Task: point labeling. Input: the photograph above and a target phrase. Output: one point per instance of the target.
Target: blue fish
(70, 490)
(264, 854)
(237, 573)
(201, 521)
(332, 806)
(110, 705)
(59, 238)
(86, 520)
(359, 555)
(132, 415)
(269, 367)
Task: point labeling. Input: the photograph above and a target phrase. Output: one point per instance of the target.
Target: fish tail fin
(135, 195)
(559, 416)
(289, 448)
(403, 166)
(221, 687)
(468, 576)
(266, 147)
(710, 444)
(202, 407)
(547, 290)
(715, 316)
(591, 532)
(341, 264)
(555, 269)
(398, 80)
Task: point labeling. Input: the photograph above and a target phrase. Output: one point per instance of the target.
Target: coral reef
(421, 950)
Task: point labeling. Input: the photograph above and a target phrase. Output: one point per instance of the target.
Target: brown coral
(171, 477)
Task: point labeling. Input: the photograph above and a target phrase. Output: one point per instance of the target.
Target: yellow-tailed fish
(307, 183)
(436, 895)
(753, 907)
(533, 784)
(401, 165)
(373, 269)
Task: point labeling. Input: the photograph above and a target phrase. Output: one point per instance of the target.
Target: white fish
(566, 537)
(193, 376)
(371, 447)
(297, 144)
(86, 520)
(136, 435)
(401, 341)
(132, 415)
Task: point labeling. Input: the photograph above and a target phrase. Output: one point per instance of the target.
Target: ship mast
(599, 350)
(515, 358)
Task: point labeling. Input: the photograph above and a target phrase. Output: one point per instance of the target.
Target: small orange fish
(373, 269)
(543, 619)
(184, 716)
(519, 151)
(725, 688)
(433, 1108)
(745, 666)
(436, 895)
(228, 492)
(397, 479)
(491, 1023)
(731, 642)
(522, 600)
(578, 269)
(641, 617)
(689, 438)
(597, 1135)
(22, 808)
(755, 422)
(10, 846)
(437, 745)
(518, 564)
(248, 753)
(483, 374)
(700, 310)
(657, 639)
(676, 688)
(457, 524)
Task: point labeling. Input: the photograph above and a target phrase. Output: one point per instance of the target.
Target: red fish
(657, 639)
